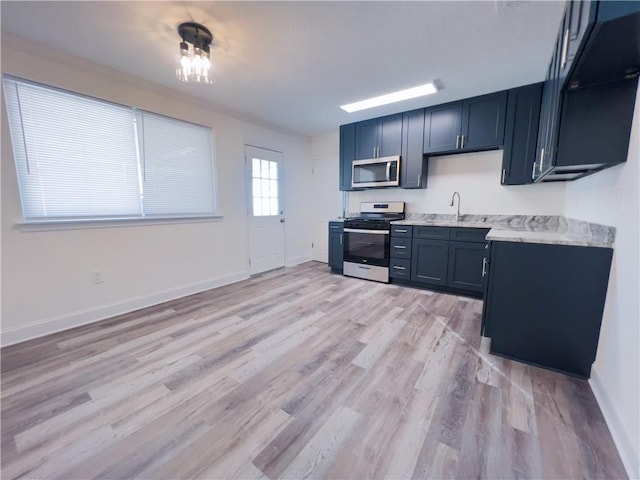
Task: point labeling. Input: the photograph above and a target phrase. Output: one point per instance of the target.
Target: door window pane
(264, 187)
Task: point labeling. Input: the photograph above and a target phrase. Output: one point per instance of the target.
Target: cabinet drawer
(336, 227)
(435, 233)
(400, 268)
(462, 234)
(401, 230)
(401, 247)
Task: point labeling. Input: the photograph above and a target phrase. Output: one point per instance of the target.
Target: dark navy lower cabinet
(450, 259)
(429, 261)
(335, 245)
(465, 265)
(544, 304)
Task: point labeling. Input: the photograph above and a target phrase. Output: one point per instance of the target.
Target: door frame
(249, 198)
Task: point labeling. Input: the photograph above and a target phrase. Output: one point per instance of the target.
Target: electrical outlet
(96, 278)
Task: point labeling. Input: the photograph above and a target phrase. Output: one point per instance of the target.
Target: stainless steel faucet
(453, 197)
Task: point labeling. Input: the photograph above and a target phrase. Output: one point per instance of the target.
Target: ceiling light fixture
(419, 91)
(194, 64)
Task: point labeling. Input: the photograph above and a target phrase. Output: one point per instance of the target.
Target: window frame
(88, 221)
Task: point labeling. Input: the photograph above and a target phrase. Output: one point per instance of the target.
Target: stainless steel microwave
(376, 172)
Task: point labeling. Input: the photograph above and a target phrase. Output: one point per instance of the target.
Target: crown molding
(45, 52)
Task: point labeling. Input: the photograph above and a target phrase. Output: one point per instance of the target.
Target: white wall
(46, 283)
(476, 176)
(611, 197)
(326, 202)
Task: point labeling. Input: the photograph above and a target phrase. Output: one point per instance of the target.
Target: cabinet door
(465, 265)
(521, 133)
(347, 153)
(390, 135)
(442, 129)
(580, 14)
(483, 120)
(366, 139)
(429, 261)
(335, 250)
(413, 164)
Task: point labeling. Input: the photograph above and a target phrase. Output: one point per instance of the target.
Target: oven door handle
(361, 230)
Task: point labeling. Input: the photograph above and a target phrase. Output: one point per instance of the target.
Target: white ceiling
(293, 63)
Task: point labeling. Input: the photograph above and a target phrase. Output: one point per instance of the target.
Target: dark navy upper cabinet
(347, 152)
(413, 164)
(469, 125)
(378, 137)
(390, 136)
(366, 139)
(589, 92)
(579, 16)
(442, 128)
(521, 132)
(483, 120)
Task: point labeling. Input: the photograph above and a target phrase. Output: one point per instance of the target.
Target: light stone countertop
(554, 230)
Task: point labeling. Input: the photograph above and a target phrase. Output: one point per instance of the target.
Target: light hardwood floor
(292, 374)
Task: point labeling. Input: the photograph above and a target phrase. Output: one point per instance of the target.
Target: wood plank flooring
(295, 373)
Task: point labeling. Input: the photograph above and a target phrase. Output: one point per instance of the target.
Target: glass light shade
(193, 64)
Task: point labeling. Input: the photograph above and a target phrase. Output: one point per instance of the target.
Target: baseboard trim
(630, 457)
(298, 260)
(84, 317)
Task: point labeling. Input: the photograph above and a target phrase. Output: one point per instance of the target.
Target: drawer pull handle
(399, 246)
(398, 230)
(395, 267)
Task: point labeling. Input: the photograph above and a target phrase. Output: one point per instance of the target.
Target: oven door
(369, 247)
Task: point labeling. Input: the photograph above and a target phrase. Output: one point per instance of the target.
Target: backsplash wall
(476, 176)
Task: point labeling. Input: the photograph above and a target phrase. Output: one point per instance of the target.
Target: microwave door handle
(388, 171)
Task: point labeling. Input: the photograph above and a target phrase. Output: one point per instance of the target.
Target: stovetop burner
(376, 215)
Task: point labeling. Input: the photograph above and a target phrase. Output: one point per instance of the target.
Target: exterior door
(266, 213)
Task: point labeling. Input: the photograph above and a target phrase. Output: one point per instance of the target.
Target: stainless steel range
(366, 240)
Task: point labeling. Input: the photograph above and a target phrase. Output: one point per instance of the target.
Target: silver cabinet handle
(457, 141)
(401, 247)
(419, 179)
(565, 48)
(462, 141)
(503, 174)
(398, 230)
(363, 230)
(396, 267)
(541, 159)
(484, 267)
(533, 171)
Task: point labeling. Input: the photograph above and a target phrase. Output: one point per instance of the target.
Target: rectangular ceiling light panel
(419, 91)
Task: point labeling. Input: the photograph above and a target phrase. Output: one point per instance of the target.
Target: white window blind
(80, 158)
(176, 167)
